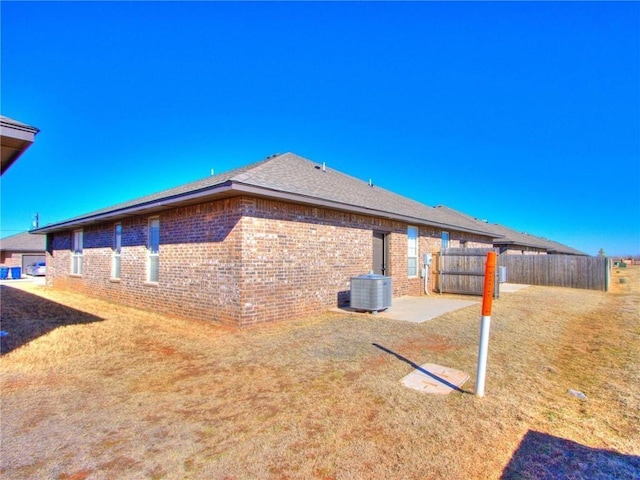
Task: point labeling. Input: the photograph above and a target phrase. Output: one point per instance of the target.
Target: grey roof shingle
(23, 242)
(14, 123)
(309, 182)
(304, 181)
(293, 174)
(507, 236)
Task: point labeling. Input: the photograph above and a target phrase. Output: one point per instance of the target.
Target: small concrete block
(435, 379)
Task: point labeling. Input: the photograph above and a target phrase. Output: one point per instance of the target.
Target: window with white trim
(117, 250)
(153, 249)
(445, 240)
(76, 253)
(412, 251)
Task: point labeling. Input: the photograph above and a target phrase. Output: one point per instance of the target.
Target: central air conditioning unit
(370, 292)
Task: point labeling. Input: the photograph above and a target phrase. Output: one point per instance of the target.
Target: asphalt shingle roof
(309, 182)
(23, 242)
(508, 236)
(314, 183)
(10, 121)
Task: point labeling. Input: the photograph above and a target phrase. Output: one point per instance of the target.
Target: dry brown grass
(95, 390)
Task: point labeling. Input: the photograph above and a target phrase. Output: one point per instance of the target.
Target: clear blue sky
(524, 114)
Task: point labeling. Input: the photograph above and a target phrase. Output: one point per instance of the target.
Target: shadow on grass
(541, 456)
(419, 368)
(25, 317)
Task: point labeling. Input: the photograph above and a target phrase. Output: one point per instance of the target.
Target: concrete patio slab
(421, 309)
(417, 309)
(511, 287)
(435, 379)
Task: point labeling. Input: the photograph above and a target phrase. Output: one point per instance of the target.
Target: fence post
(440, 261)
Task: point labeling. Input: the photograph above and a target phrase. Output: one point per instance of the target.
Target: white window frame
(77, 245)
(413, 235)
(116, 262)
(444, 236)
(153, 250)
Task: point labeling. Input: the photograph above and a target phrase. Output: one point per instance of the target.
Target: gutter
(156, 205)
(232, 189)
(502, 241)
(317, 202)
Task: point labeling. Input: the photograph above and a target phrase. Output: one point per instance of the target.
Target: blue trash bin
(4, 273)
(16, 273)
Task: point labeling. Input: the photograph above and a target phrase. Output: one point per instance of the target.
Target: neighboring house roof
(15, 138)
(287, 177)
(510, 238)
(23, 242)
(556, 247)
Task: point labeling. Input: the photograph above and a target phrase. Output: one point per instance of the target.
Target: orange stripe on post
(489, 283)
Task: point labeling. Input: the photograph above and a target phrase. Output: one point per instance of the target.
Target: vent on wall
(371, 292)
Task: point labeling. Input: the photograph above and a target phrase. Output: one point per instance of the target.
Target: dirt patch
(95, 390)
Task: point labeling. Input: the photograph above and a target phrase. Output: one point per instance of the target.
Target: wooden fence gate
(461, 270)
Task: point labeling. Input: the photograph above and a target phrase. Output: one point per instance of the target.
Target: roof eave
(317, 202)
(515, 243)
(147, 207)
(231, 188)
(16, 138)
(22, 250)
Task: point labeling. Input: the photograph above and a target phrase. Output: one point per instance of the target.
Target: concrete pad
(435, 379)
(511, 287)
(416, 309)
(421, 309)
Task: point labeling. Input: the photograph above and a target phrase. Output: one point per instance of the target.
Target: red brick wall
(240, 261)
(11, 259)
(200, 253)
(297, 259)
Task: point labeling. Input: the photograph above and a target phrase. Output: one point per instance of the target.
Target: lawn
(95, 390)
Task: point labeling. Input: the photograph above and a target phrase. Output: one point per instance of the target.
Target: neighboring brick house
(510, 241)
(276, 239)
(22, 249)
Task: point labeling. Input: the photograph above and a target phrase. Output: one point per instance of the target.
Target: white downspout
(426, 277)
(426, 281)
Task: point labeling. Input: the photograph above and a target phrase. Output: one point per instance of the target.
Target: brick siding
(11, 259)
(240, 261)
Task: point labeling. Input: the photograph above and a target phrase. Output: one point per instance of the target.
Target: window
(117, 249)
(412, 251)
(153, 249)
(76, 253)
(445, 240)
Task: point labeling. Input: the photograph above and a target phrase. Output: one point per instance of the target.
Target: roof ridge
(298, 179)
(370, 184)
(250, 170)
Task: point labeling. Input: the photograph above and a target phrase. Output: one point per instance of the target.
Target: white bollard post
(485, 325)
(483, 351)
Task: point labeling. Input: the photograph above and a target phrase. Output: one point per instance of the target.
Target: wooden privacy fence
(461, 270)
(573, 271)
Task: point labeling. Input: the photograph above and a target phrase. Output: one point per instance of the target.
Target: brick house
(509, 241)
(22, 249)
(276, 239)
